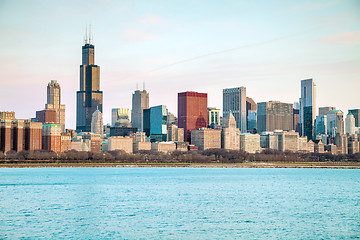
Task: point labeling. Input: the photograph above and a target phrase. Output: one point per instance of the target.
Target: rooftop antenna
(86, 35)
(90, 33)
(143, 85)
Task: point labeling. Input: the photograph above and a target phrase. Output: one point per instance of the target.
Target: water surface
(179, 203)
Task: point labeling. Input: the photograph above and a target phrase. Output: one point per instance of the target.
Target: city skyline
(268, 58)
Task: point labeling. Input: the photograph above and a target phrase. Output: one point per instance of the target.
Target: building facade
(230, 134)
(97, 125)
(214, 116)
(250, 142)
(51, 137)
(350, 124)
(234, 100)
(356, 114)
(274, 115)
(324, 110)
(206, 138)
(335, 122)
(158, 123)
(89, 98)
(192, 112)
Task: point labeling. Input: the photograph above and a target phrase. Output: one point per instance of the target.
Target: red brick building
(192, 112)
(33, 136)
(51, 139)
(46, 116)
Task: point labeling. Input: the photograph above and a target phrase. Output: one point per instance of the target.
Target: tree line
(207, 156)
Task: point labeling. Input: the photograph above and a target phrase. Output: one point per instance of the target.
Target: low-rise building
(120, 143)
(141, 146)
(288, 141)
(164, 147)
(250, 142)
(206, 138)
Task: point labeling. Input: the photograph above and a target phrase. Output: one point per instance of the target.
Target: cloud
(347, 38)
(152, 20)
(135, 35)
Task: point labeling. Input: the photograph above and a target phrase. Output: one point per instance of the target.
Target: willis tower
(89, 98)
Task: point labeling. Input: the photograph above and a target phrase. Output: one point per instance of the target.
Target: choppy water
(179, 203)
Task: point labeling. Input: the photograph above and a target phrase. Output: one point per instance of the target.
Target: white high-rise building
(234, 100)
(350, 124)
(97, 123)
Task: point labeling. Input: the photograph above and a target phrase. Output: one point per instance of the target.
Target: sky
(175, 46)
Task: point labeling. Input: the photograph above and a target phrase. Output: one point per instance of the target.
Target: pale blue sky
(283, 42)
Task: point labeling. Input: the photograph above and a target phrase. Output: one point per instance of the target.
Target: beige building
(54, 102)
(65, 142)
(250, 142)
(288, 141)
(206, 138)
(141, 146)
(274, 115)
(341, 143)
(230, 135)
(7, 115)
(175, 134)
(164, 147)
(319, 147)
(213, 116)
(269, 140)
(353, 144)
(120, 143)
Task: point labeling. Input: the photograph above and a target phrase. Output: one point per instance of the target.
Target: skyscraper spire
(89, 33)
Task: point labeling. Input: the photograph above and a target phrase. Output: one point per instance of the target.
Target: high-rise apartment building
(54, 103)
(356, 114)
(192, 112)
(140, 101)
(89, 98)
(274, 115)
(234, 100)
(307, 107)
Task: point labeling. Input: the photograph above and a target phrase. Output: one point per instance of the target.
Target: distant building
(54, 103)
(175, 134)
(288, 141)
(251, 110)
(214, 116)
(230, 134)
(120, 143)
(141, 146)
(274, 115)
(7, 115)
(319, 147)
(171, 119)
(269, 140)
(97, 125)
(335, 122)
(33, 136)
(296, 120)
(324, 110)
(120, 115)
(158, 120)
(321, 124)
(341, 142)
(350, 124)
(164, 147)
(51, 134)
(65, 142)
(122, 131)
(206, 138)
(234, 100)
(94, 142)
(140, 101)
(47, 116)
(356, 113)
(250, 142)
(192, 112)
(307, 107)
(89, 98)
(353, 144)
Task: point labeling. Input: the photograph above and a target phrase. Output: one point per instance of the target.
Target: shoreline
(324, 165)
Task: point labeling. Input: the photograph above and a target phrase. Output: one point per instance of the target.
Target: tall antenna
(86, 35)
(143, 85)
(90, 34)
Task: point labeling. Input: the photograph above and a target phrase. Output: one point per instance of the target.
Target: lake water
(179, 203)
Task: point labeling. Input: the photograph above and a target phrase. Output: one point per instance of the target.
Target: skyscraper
(119, 114)
(89, 98)
(234, 100)
(350, 124)
(140, 101)
(356, 114)
(308, 107)
(54, 102)
(192, 112)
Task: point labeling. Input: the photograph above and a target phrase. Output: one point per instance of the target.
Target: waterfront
(179, 203)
